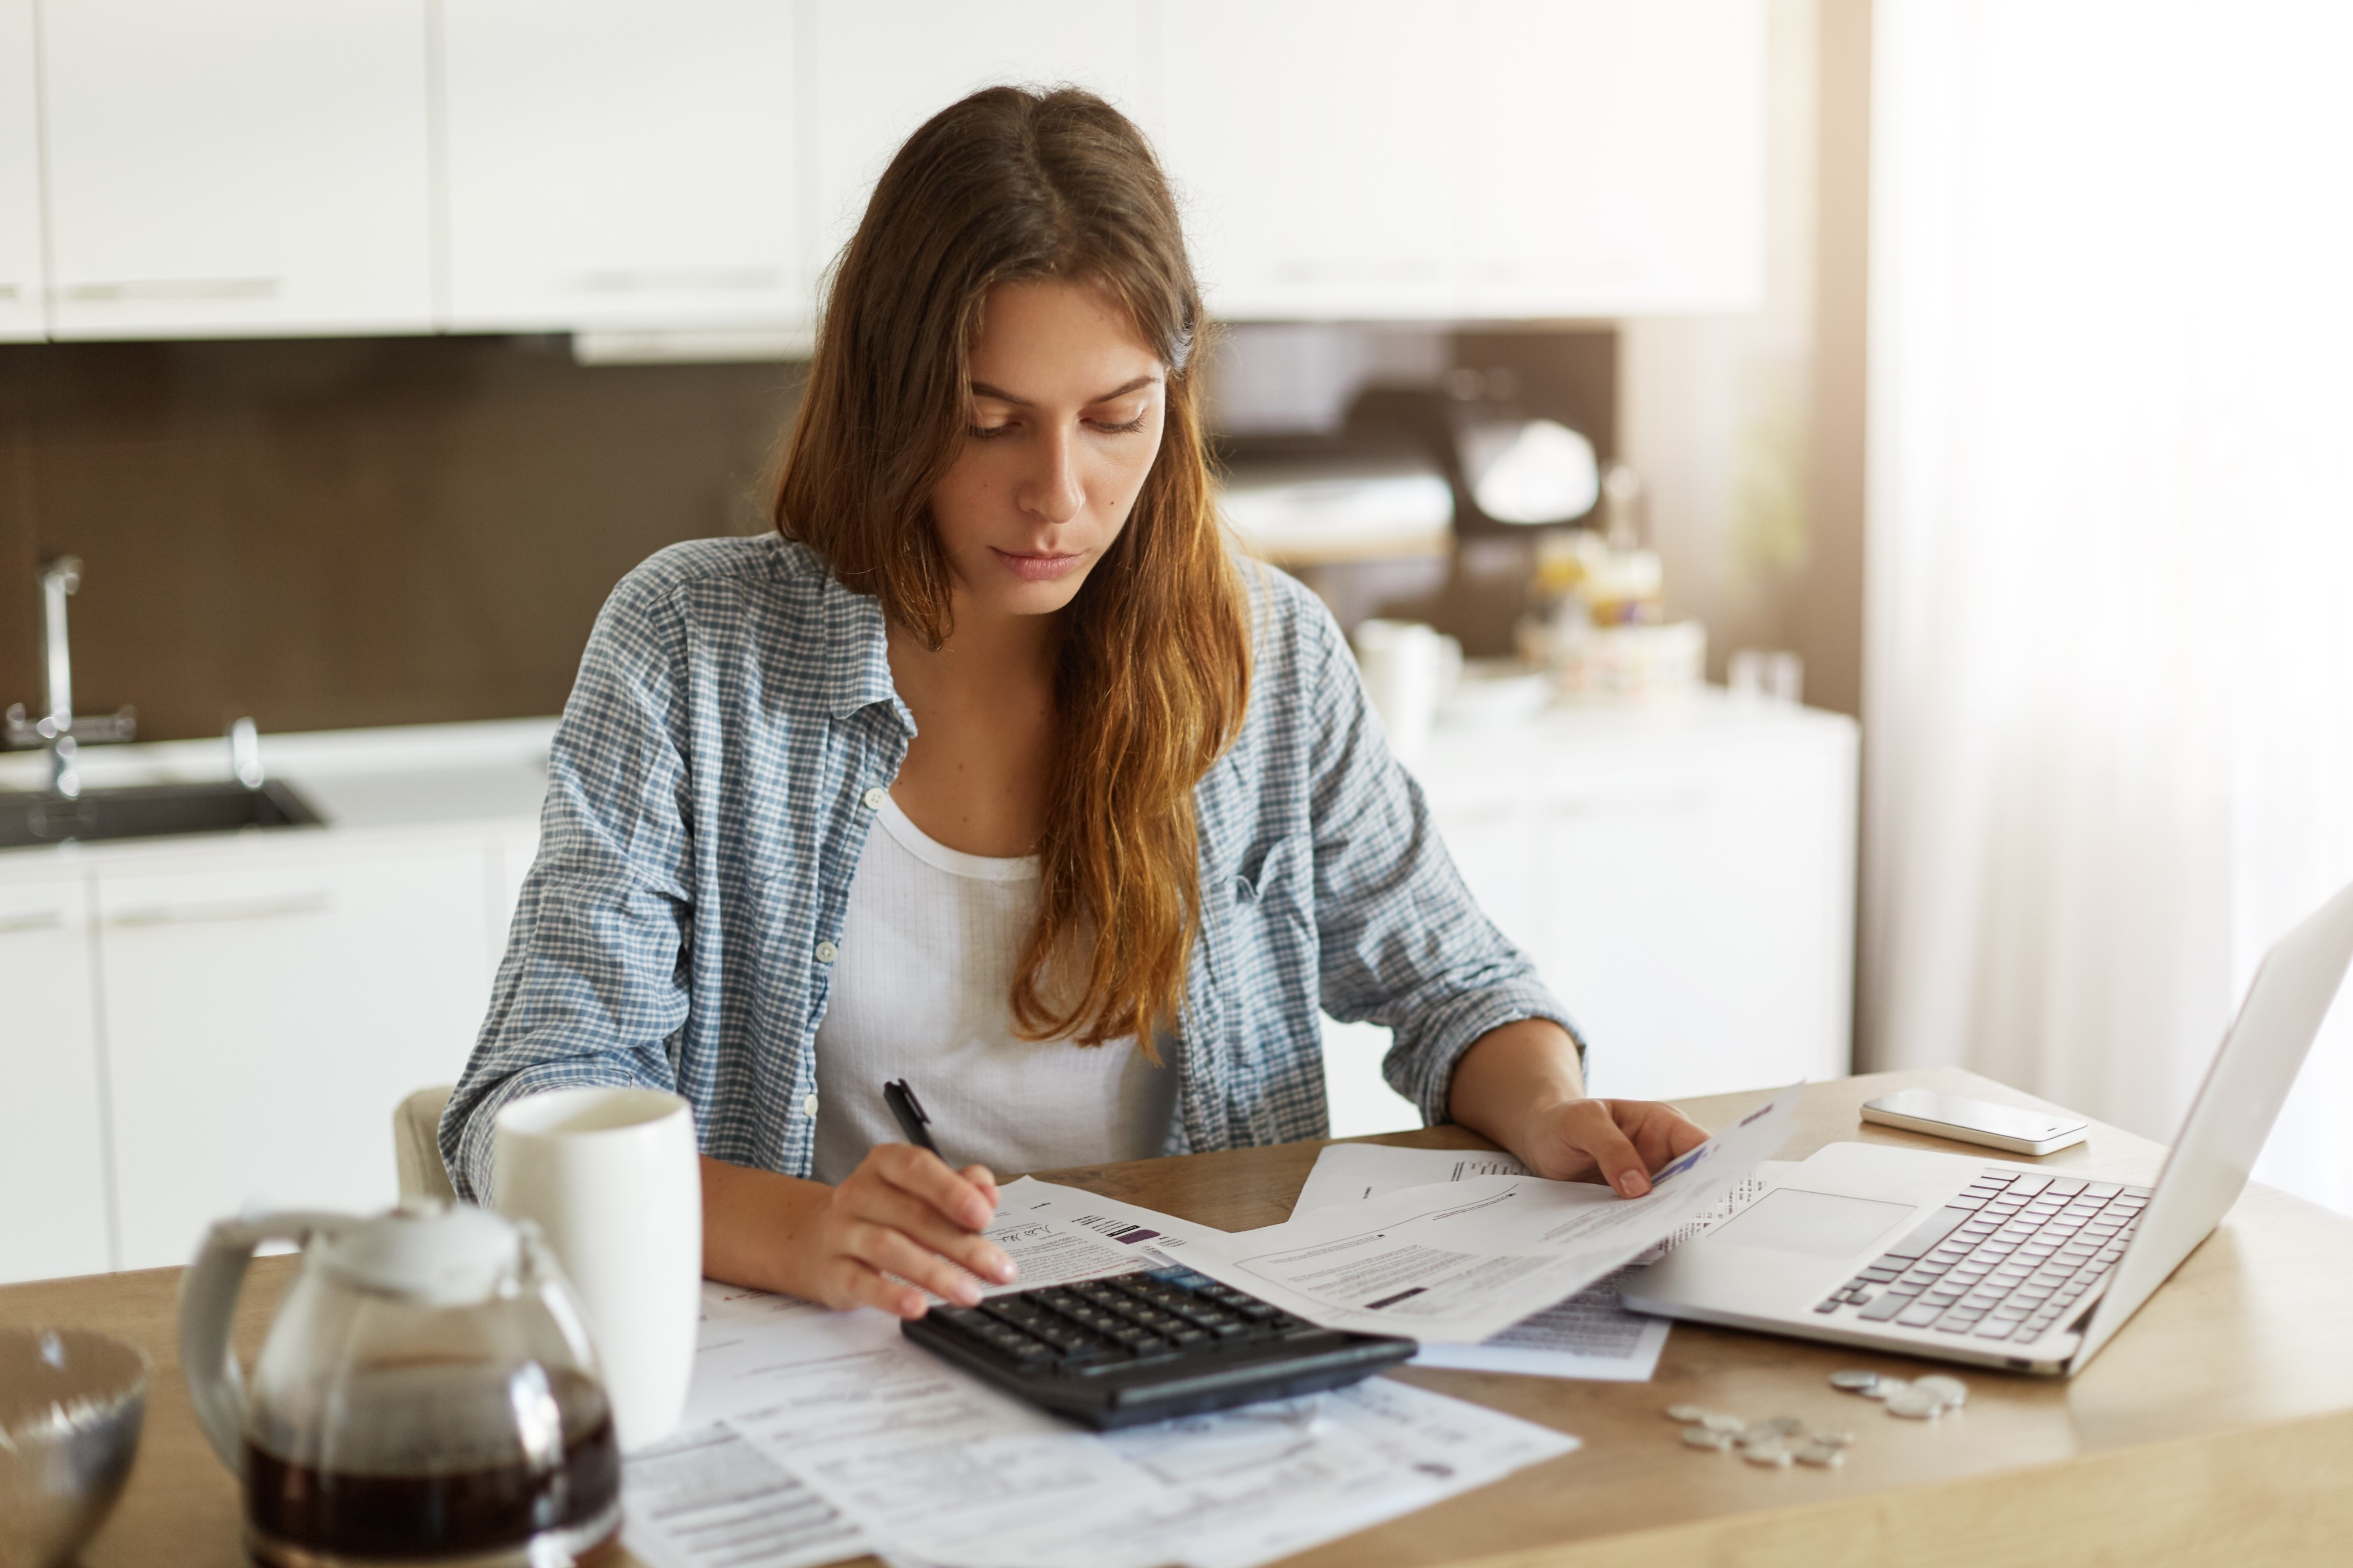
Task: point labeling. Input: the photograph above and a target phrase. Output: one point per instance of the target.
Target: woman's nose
(1053, 491)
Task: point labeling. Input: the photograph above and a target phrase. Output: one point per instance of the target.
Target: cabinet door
(1315, 145)
(621, 163)
(236, 167)
(1697, 918)
(883, 70)
(52, 1133)
(264, 1013)
(20, 177)
(1616, 164)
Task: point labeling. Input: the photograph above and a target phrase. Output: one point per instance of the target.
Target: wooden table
(2217, 1427)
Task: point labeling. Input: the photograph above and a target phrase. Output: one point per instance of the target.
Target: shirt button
(874, 797)
(808, 1108)
(827, 953)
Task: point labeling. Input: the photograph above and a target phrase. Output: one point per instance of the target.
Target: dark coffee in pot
(417, 1506)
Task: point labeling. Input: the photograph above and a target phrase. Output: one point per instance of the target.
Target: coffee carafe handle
(208, 1299)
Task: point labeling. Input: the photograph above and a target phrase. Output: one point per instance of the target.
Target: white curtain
(2109, 643)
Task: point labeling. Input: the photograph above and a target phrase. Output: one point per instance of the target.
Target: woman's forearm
(1510, 1077)
(757, 1227)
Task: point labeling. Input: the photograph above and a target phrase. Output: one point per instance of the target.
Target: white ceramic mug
(1408, 668)
(611, 1178)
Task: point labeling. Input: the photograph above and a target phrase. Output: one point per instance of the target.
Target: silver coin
(1884, 1388)
(1853, 1381)
(1833, 1439)
(1772, 1454)
(1826, 1456)
(1686, 1413)
(1701, 1437)
(1951, 1390)
(1915, 1405)
(1730, 1426)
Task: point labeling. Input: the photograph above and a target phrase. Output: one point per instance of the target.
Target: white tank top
(918, 992)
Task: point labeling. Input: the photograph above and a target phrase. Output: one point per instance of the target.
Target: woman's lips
(1037, 568)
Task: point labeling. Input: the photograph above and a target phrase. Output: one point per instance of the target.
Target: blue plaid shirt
(711, 788)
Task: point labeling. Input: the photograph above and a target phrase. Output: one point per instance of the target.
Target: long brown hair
(1012, 187)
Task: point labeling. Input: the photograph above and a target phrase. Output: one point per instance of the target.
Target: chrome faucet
(59, 730)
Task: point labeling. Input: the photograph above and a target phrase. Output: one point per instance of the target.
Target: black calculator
(1145, 1347)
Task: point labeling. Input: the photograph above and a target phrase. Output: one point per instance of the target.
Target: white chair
(417, 1145)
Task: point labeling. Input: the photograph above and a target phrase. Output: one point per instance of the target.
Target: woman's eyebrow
(998, 395)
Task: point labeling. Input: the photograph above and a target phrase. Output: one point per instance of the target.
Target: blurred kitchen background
(354, 352)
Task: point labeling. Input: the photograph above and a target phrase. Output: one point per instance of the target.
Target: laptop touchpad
(1787, 1220)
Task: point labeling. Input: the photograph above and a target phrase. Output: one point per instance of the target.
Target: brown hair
(1010, 186)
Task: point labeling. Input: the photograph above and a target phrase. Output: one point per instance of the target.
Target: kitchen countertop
(394, 777)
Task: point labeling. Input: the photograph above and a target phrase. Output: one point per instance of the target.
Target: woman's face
(1067, 406)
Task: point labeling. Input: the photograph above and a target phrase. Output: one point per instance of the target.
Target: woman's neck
(976, 775)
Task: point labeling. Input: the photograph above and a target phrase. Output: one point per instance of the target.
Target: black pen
(910, 1113)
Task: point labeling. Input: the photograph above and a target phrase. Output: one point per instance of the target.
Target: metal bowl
(70, 1406)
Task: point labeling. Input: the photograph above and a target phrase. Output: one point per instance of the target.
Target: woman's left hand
(1622, 1142)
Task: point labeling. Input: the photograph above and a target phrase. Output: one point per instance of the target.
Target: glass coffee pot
(427, 1393)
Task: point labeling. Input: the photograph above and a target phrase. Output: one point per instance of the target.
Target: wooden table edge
(2273, 1494)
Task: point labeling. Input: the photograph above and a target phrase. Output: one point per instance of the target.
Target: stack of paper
(1462, 1261)
(813, 1435)
(1587, 1335)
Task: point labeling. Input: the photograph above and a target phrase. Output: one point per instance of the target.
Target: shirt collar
(857, 654)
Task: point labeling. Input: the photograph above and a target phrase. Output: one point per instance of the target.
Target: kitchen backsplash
(335, 532)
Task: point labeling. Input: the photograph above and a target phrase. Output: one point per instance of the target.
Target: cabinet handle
(172, 289)
(39, 919)
(243, 909)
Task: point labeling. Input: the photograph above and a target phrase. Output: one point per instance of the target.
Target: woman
(992, 770)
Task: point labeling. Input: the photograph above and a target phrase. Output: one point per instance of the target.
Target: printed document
(707, 1498)
(1463, 1262)
(915, 1458)
(1056, 1235)
(1588, 1336)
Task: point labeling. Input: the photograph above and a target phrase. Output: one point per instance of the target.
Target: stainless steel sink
(152, 811)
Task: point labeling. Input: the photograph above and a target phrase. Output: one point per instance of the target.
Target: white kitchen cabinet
(622, 165)
(1614, 159)
(236, 168)
(880, 71)
(1316, 146)
(20, 176)
(1682, 877)
(267, 1004)
(53, 1217)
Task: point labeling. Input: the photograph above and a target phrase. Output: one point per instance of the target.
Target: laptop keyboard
(2004, 1260)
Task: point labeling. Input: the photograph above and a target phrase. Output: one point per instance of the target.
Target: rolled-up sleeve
(593, 989)
(1402, 941)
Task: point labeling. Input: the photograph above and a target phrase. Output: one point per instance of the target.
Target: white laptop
(2005, 1263)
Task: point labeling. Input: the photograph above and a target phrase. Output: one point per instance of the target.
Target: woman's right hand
(902, 1212)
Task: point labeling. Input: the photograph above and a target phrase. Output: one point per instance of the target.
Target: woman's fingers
(1592, 1127)
(919, 1220)
(1661, 1131)
(849, 1283)
(925, 1175)
(893, 1251)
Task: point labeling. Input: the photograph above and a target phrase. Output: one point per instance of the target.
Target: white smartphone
(2003, 1127)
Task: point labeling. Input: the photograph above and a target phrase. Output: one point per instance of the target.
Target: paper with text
(1462, 1261)
(1056, 1235)
(707, 1498)
(1588, 1336)
(931, 1466)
